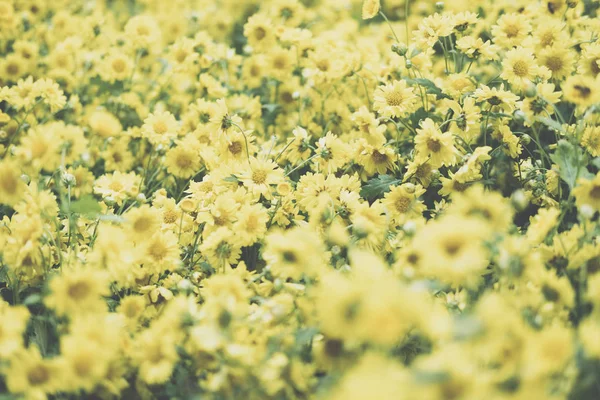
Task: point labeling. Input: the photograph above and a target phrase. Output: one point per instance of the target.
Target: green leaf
(378, 186)
(431, 377)
(86, 205)
(429, 85)
(571, 162)
(231, 178)
(552, 124)
(34, 298)
(305, 335)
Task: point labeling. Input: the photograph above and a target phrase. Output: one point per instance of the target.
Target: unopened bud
(400, 49)
(587, 211)
(110, 201)
(69, 179)
(525, 139)
(531, 91)
(409, 187)
(519, 200)
(140, 198)
(410, 227)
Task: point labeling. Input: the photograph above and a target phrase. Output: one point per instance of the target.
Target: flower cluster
(296, 199)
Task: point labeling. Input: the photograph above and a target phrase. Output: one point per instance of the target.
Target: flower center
(402, 204)
(118, 65)
(38, 375)
(259, 176)
(520, 68)
(394, 99)
(378, 158)
(434, 145)
(78, 290)
(595, 192)
(160, 127)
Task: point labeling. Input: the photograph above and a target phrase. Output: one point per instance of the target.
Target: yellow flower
(510, 30)
(12, 187)
(32, 376)
(183, 160)
(433, 145)
(160, 128)
(259, 32)
(370, 8)
(591, 140)
(395, 99)
(455, 256)
(581, 90)
(260, 177)
(221, 249)
(293, 253)
(519, 67)
(13, 326)
(78, 291)
(402, 202)
(142, 222)
(105, 124)
(118, 186)
(587, 192)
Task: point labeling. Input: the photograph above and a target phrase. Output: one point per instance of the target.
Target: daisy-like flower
(581, 90)
(519, 67)
(587, 192)
(432, 28)
(142, 222)
(259, 176)
(160, 128)
(395, 99)
(497, 97)
(12, 187)
(183, 160)
(591, 140)
(402, 202)
(118, 186)
(251, 224)
(541, 105)
(333, 153)
(589, 64)
(78, 291)
(476, 48)
(511, 30)
(432, 144)
(260, 32)
(370, 8)
(116, 66)
(220, 249)
(558, 60)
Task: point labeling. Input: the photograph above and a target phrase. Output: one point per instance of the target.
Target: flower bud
(400, 49)
(409, 187)
(525, 139)
(586, 211)
(531, 91)
(410, 228)
(69, 179)
(519, 200)
(110, 201)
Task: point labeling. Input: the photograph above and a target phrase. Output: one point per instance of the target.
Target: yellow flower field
(300, 199)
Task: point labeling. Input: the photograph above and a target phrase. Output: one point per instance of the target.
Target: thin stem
(390, 25)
